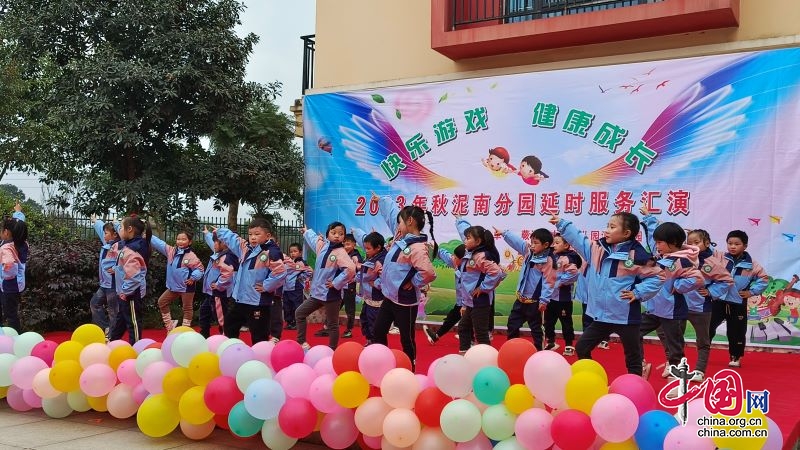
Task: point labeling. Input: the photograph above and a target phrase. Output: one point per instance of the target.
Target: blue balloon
(653, 428)
(264, 398)
(242, 424)
(490, 385)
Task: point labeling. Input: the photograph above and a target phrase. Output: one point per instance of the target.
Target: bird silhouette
(638, 88)
(662, 84)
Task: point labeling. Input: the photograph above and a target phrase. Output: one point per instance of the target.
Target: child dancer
(217, 283)
(130, 277)
(14, 258)
(407, 268)
(622, 274)
(349, 297)
(369, 276)
(184, 269)
(334, 270)
(297, 272)
(567, 264)
(104, 302)
(454, 316)
(749, 279)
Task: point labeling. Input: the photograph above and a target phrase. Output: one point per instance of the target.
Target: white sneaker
(274, 340)
(698, 377)
(552, 346)
(306, 347)
(735, 362)
(174, 324)
(394, 330)
(603, 345)
(569, 351)
(665, 373)
(244, 329)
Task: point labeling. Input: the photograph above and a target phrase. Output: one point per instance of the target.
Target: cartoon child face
(526, 171)
(791, 302)
(754, 300)
(495, 163)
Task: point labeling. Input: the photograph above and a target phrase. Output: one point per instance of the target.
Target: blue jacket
(537, 275)
(747, 275)
(107, 258)
(221, 269)
(296, 274)
(478, 271)
(333, 264)
(14, 261)
(182, 264)
(454, 262)
(568, 265)
(625, 266)
(368, 276)
(261, 265)
(130, 272)
(682, 277)
(717, 280)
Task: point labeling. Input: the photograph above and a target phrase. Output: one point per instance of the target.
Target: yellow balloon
(65, 375)
(120, 354)
(350, 389)
(590, 365)
(203, 368)
(753, 421)
(518, 399)
(176, 381)
(625, 445)
(158, 416)
(3, 391)
(89, 334)
(68, 350)
(98, 403)
(583, 390)
(180, 329)
(192, 407)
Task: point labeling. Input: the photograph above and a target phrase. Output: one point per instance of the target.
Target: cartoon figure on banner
(792, 302)
(763, 323)
(498, 162)
(514, 263)
(530, 169)
(325, 145)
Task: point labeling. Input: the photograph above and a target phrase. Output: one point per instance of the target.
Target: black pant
(349, 305)
(129, 317)
(452, 318)
(255, 316)
(628, 334)
(9, 308)
(208, 314)
(291, 300)
(369, 314)
(526, 312)
(562, 311)
(405, 319)
(491, 321)
(276, 318)
(474, 322)
(587, 320)
(735, 314)
(671, 335)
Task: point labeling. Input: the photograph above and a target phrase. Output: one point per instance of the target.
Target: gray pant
(671, 336)
(331, 319)
(104, 307)
(701, 321)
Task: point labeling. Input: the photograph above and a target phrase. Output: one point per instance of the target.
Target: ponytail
(148, 235)
(491, 249)
(430, 224)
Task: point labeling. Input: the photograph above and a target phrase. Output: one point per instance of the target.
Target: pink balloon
(614, 417)
(433, 438)
(118, 343)
(6, 344)
(233, 357)
(214, 342)
(637, 389)
(263, 352)
(685, 438)
(98, 380)
(45, 351)
(480, 442)
(24, 369)
(166, 348)
(532, 429)
(775, 437)
(546, 374)
(432, 367)
(375, 361)
(297, 379)
(285, 354)
(139, 393)
(325, 366)
(424, 381)
(142, 344)
(572, 429)
(126, 372)
(31, 398)
(297, 417)
(321, 394)
(15, 399)
(373, 441)
(120, 402)
(316, 353)
(338, 430)
(153, 376)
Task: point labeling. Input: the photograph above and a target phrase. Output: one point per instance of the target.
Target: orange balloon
(345, 357)
(512, 358)
(402, 359)
(154, 345)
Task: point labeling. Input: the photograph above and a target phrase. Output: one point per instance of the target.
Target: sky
(277, 56)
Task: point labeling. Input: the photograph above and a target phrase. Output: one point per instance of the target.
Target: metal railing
(308, 62)
(467, 12)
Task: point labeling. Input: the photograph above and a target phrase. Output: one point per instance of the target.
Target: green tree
(16, 193)
(255, 161)
(135, 85)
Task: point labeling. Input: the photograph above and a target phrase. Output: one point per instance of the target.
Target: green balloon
(498, 422)
(57, 407)
(509, 444)
(242, 424)
(460, 420)
(490, 385)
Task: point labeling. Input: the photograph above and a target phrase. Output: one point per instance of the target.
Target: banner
(709, 142)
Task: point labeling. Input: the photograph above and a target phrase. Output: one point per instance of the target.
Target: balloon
(572, 430)
(119, 343)
(67, 350)
(78, 401)
(241, 423)
(98, 380)
(402, 361)
(518, 399)
(490, 385)
(186, 346)
(509, 444)
(197, 431)
(285, 354)
(433, 439)
(532, 429)
(221, 420)
(474, 400)
(297, 417)
(16, 399)
(374, 362)
(94, 354)
(775, 438)
(142, 344)
(30, 397)
(481, 442)
(250, 372)
(512, 358)
(350, 389)
(121, 354)
(297, 380)
(24, 343)
(56, 407)
(685, 438)
(176, 381)
(338, 430)
(8, 331)
(225, 344)
(99, 404)
(203, 368)
(370, 415)
(45, 351)
(120, 402)
(546, 375)
(6, 344)
(158, 416)
(590, 365)
(498, 422)
(481, 355)
(373, 442)
(614, 418)
(429, 405)
(221, 394)
(7, 360)
(653, 428)
(179, 330)
(264, 399)
(216, 340)
(460, 420)
(233, 357)
(742, 443)
(42, 386)
(126, 373)
(89, 334)
(65, 376)
(24, 369)
(345, 357)
(274, 438)
(624, 445)
(321, 394)
(401, 427)
(146, 357)
(637, 389)
(583, 390)
(325, 365)
(192, 408)
(153, 377)
(399, 388)
(263, 352)
(453, 376)
(316, 353)
(139, 394)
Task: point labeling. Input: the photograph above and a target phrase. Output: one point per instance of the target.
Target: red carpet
(776, 372)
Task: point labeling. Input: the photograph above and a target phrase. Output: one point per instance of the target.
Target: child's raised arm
(514, 241)
(312, 239)
(461, 226)
(447, 258)
(232, 240)
(573, 236)
(649, 224)
(389, 211)
(208, 237)
(359, 235)
(160, 246)
(277, 273)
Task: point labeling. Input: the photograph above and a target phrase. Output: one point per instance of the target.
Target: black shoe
(321, 333)
(552, 346)
(347, 334)
(291, 327)
(430, 334)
